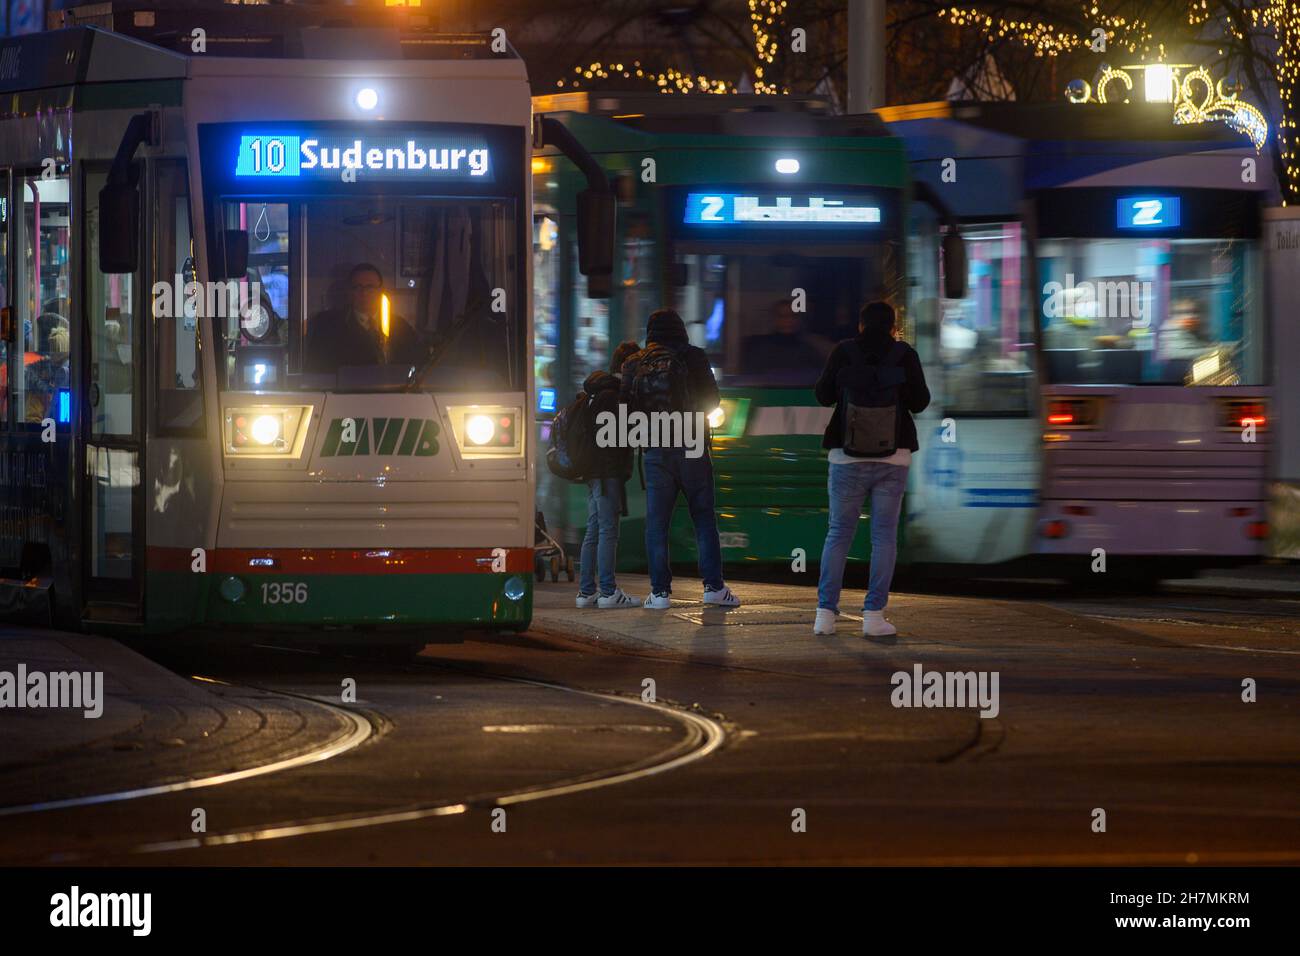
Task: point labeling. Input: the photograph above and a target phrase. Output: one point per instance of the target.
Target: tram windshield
(374, 294)
(741, 303)
(1151, 311)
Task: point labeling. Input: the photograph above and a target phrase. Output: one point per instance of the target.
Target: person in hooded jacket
(852, 479)
(669, 472)
(606, 496)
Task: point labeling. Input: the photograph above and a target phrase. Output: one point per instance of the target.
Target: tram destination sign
(740, 209)
(389, 156)
(334, 157)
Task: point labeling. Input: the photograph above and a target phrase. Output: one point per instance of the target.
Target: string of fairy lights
(766, 21)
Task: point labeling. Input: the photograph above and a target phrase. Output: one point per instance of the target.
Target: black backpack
(870, 396)
(572, 455)
(660, 383)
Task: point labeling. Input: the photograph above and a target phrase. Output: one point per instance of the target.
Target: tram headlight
(265, 431)
(479, 429)
(367, 98)
(717, 417)
(487, 431)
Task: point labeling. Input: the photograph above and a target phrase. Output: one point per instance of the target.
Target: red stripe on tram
(339, 560)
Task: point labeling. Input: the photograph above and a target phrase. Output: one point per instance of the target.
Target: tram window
(361, 295)
(546, 299)
(1151, 311)
(110, 308)
(179, 391)
(985, 339)
(43, 327)
(4, 297)
(738, 307)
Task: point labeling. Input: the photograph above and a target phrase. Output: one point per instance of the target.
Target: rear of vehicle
(1157, 416)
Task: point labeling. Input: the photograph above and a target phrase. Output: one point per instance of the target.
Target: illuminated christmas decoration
(766, 22)
(1193, 93)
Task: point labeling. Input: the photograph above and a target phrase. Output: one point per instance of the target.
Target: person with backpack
(671, 375)
(605, 472)
(876, 384)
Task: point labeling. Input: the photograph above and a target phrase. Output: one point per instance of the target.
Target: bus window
(985, 339)
(179, 395)
(43, 326)
(590, 327)
(1150, 311)
(366, 294)
(110, 308)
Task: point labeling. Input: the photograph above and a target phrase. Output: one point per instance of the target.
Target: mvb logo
(381, 436)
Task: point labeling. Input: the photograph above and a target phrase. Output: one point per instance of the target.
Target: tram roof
(136, 40)
(701, 114)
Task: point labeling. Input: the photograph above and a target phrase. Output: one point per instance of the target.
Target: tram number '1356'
(284, 592)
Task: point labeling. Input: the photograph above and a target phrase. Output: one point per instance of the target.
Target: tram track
(703, 735)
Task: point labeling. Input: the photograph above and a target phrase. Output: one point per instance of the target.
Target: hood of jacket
(667, 330)
(600, 381)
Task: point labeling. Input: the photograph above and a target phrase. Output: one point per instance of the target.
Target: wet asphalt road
(1125, 703)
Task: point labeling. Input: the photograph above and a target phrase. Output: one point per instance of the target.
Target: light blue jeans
(600, 546)
(847, 488)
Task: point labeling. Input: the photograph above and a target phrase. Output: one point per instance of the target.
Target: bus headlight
(487, 431)
(265, 431)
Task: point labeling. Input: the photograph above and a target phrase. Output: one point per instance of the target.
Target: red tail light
(1258, 530)
(1072, 412)
(1054, 529)
(1239, 413)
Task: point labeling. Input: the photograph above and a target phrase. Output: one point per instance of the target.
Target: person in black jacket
(852, 478)
(606, 495)
(669, 472)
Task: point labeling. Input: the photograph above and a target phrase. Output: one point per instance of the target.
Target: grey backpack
(870, 399)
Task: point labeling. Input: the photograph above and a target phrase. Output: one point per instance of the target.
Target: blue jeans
(847, 488)
(600, 545)
(667, 472)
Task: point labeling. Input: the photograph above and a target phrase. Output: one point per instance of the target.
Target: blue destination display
(800, 211)
(390, 156)
(1148, 212)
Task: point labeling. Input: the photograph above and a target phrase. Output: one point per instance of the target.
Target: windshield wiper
(438, 349)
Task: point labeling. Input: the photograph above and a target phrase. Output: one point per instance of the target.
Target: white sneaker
(875, 625)
(723, 598)
(825, 623)
(659, 601)
(618, 599)
(585, 600)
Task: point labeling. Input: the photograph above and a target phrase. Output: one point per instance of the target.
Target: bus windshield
(374, 294)
(769, 314)
(1150, 311)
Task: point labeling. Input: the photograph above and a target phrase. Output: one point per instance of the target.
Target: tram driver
(354, 335)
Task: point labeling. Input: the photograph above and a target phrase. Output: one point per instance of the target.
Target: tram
(266, 321)
(764, 221)
(1104, 389)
